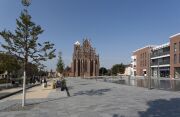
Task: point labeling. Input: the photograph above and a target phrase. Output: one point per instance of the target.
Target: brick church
(85, 61)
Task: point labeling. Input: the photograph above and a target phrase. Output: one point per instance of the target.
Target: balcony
(160, 63)
(160, 54)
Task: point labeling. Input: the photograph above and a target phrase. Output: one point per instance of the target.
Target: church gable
(85, 61)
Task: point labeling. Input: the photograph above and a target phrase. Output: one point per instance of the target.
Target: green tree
(9, 63)
(60, 64)
(24, 44)
(32, 70)
(103, 71)
(109, 72)
(118, 68)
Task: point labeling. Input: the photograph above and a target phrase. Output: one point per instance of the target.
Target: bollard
(129, 78)
(53, 85)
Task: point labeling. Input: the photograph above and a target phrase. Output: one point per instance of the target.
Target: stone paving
(91, 98)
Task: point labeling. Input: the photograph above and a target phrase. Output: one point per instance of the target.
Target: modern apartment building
(140, 61)
(163, 60)
(175, 56)
(160, 60)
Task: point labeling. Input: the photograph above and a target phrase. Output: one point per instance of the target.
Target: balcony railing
(160, 54)
(160, 63)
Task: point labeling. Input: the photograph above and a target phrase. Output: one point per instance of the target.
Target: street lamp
(149, 66)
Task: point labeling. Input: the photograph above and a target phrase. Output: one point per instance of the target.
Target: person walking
(64, 86)
(44, 82)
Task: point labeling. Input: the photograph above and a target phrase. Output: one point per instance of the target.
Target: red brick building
(175, 56)
(159, 61)
(141, 61)
(85, 61)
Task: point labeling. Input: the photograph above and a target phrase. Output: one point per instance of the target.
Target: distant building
(85, 61)
(164, 59)
(175, 56)
(4, 75)
(52, 74)
(160, 61)
(67, 72)
(128, 70)
(140, 61)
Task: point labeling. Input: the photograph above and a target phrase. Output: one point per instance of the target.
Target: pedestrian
(45, 82)
(64, 86)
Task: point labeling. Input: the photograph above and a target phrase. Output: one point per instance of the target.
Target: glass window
(175, 48)
(160, 61)
(175, 58)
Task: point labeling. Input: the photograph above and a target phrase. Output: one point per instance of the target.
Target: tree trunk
(24, 82)
(24, 89)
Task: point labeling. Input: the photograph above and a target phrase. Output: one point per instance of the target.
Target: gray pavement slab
(91, 98)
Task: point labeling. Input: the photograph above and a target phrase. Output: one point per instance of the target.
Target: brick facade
(175, 56)
(142, 61)
(85, 62)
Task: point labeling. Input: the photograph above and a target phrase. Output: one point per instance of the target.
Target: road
(91, 98)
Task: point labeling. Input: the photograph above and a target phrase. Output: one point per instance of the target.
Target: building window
(175, 58)
(175, 48)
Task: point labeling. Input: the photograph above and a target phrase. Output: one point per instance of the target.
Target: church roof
(77, 43)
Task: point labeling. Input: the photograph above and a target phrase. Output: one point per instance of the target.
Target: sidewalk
(8, 92)
(34, 96)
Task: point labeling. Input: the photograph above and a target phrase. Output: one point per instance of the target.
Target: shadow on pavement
(4, 93)
(84, 84)
(92, 92)
(162, 108)
(117, 115)
(70, 87)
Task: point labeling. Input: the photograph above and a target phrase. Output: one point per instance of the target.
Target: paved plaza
(91, 98)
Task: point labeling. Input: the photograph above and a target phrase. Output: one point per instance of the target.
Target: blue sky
(115, 27)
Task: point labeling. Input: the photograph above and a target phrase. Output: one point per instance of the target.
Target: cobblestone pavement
(91, 98)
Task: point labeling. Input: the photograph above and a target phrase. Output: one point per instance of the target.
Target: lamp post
(158, 70)
(149, 74)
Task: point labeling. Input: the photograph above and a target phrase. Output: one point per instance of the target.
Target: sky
(116, 27)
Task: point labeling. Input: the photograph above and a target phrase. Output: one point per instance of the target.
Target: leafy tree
(118, 68)
(8, 63)
(32, 69)
(43, 73)
(24, 44)
(60, 64)
(103, 71)
(109, 72)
